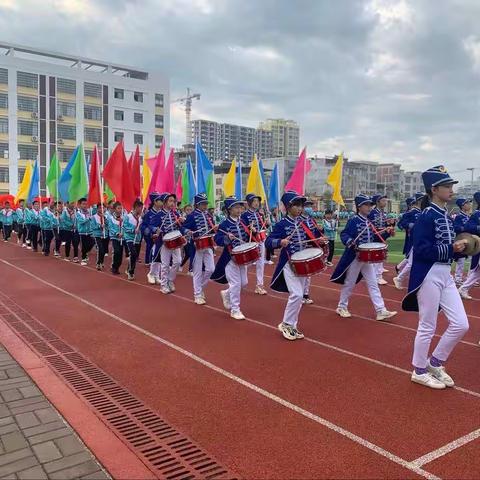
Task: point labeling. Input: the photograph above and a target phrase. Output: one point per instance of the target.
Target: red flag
(169, 176)
(129, 162)
(117, 174)
(94, 189)
(135, 172)
(297, 180)
(157, 167)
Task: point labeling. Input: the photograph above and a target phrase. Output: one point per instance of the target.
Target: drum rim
(320, 253)
(253, 245)
(381, 246)
(173, 238)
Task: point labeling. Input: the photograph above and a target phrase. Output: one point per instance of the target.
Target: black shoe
(115, 271)
(396, 269)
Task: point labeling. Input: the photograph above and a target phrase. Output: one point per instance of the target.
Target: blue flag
(34, 190)
(238, 182)
(204, 175)
(274, 192)
(64, 182)
(192, 189)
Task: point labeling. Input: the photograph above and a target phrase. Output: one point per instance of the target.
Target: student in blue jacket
(99, 227)
(69, 232)
(152, 245)
(431, 285)
(459, 223)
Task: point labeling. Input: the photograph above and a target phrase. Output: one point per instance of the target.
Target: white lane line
(271, 396)
(446, 449)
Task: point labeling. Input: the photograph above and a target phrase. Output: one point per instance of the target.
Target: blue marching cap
(165, 195)
(200, 198)
(154, 196)
(362, 199)
(376, 198)
(437, 176)
(460, 202)
(410, 201)
(418, 196)
(229, 202)
(290, 196)
(250, 197)
(476, 197)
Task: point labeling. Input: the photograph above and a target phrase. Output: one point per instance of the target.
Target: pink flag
(178, 188)
(297, 180)
(169, 174)
(157, 167)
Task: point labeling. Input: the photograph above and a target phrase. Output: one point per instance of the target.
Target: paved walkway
(35, 441)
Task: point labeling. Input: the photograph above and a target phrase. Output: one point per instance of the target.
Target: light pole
(472, 170)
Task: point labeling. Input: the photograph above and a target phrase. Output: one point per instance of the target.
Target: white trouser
(405, 271)
(369, 274)
(459, 270)
(200, 277)
(472, 278)
(306, 288)
(296, 288)
(169, 273)
(402, 263)
(155, 261)
(260, 264)
(378, 270)
(237, 279)
(438, 289)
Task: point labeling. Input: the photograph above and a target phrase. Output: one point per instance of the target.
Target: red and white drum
(374, 252)
(261, 235)
(246, 253)
(308, 262)
(174, 240)
(202, 243)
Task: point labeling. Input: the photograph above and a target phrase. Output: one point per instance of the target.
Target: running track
(338, 404)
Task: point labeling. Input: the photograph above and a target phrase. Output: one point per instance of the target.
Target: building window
(4, 76)
(138, 117)
(93, 135)
(159, 99)
(28, 80)
(119, 115)
(118, 136)
(3, 100)
(65, 85)
(66, 109)
(66, 132)
(3, 125)
(27, 104)
(64, 154)
(137, 139)
(138, 97)
(4, 177)
(118, 93)
(158, 121)
(26, 127)
(21, 173)
(28, 152)
(91, 112)
(92, 90)
(3, 150)
(158, 141)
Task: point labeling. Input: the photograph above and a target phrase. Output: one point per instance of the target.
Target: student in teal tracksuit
(100, 234)
(69, 232)
(115, 230)
(6, 219)
(20, 213)
(48, 222)
(132, 235)
(32, 220)
(84, 226)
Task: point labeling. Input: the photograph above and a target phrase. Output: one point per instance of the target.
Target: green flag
(78, 187)
(185, 188)
(53, 176)
(210, 191)
(107, 192)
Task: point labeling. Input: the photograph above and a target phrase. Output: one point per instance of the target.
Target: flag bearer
(48, 222)
(20, 222)
(69, 232)
(7, 217)
(115, 230)
(133, 236)
(84, 224)
(100, 235)
(32, 219)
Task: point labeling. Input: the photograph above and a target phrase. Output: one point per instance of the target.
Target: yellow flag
(146, 175)
(254, 182)
(22, 193)
(229, 183)
(335, 180)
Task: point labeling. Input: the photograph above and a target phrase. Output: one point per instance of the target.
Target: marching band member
(431, 285)
(472, 226)
(7, 217)
(20, 221)
(69, 232)
(350, 269)
(152, 245)
(230, 234)
(402, 225)
(100, 235)
(308, 219)
(252, 219)
(200, 223)
(408, 222)
(133, 236)
(378, 217)
(48, 222)
(459, 223)
(292, 235)
(32, 220)
(115, 232)
(83, 221)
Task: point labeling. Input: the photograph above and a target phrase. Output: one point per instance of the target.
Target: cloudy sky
(389, 80)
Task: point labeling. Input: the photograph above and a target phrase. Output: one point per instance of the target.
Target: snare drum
(261, 236)
(202, 243)
(375, 252)
(174, 240)
(246, 253)
(308, 262)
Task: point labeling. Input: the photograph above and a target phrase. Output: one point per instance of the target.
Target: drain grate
(165, 450)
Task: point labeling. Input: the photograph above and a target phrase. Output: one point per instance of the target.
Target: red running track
(336, 405)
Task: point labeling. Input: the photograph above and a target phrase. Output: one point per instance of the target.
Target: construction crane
(187, 101)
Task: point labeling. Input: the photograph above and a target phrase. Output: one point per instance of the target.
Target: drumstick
(377, 232)
(228, 233)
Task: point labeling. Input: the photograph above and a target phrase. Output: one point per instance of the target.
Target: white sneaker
(157, 280)
(384, 270)
(84, 262)
(397, 283)
(75, 260)
(130, 277)
(226, 299)
(165, 290)
(464, 294)
(343, 312)
(288, 332)
(382, 281)
(237, 315)
(56, 254)
(151, 279)
(199, 300)
(171, 286)
(24, 245)
(307, 300)
(66, 259)
(428, 380)
(29, 247)
(259, 290)
(268, 262)
(385, 315)
(440, 374)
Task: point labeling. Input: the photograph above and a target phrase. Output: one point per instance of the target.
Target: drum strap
(377, 232)
(310, 234)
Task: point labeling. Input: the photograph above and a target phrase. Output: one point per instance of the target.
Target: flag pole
(100, 184)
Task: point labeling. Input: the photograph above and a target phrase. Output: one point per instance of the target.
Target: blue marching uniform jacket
(254, 218)
(378, 218)
(473, 226)
(230, 225)
(201, 223)
(294, 229)
(352, 230)
(433, 239)
(145, 228)
(407, 222)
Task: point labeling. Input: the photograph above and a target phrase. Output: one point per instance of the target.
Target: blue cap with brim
(229, 202)
(289, 197)
(362, 199)
(436, 177)
(200, 198)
